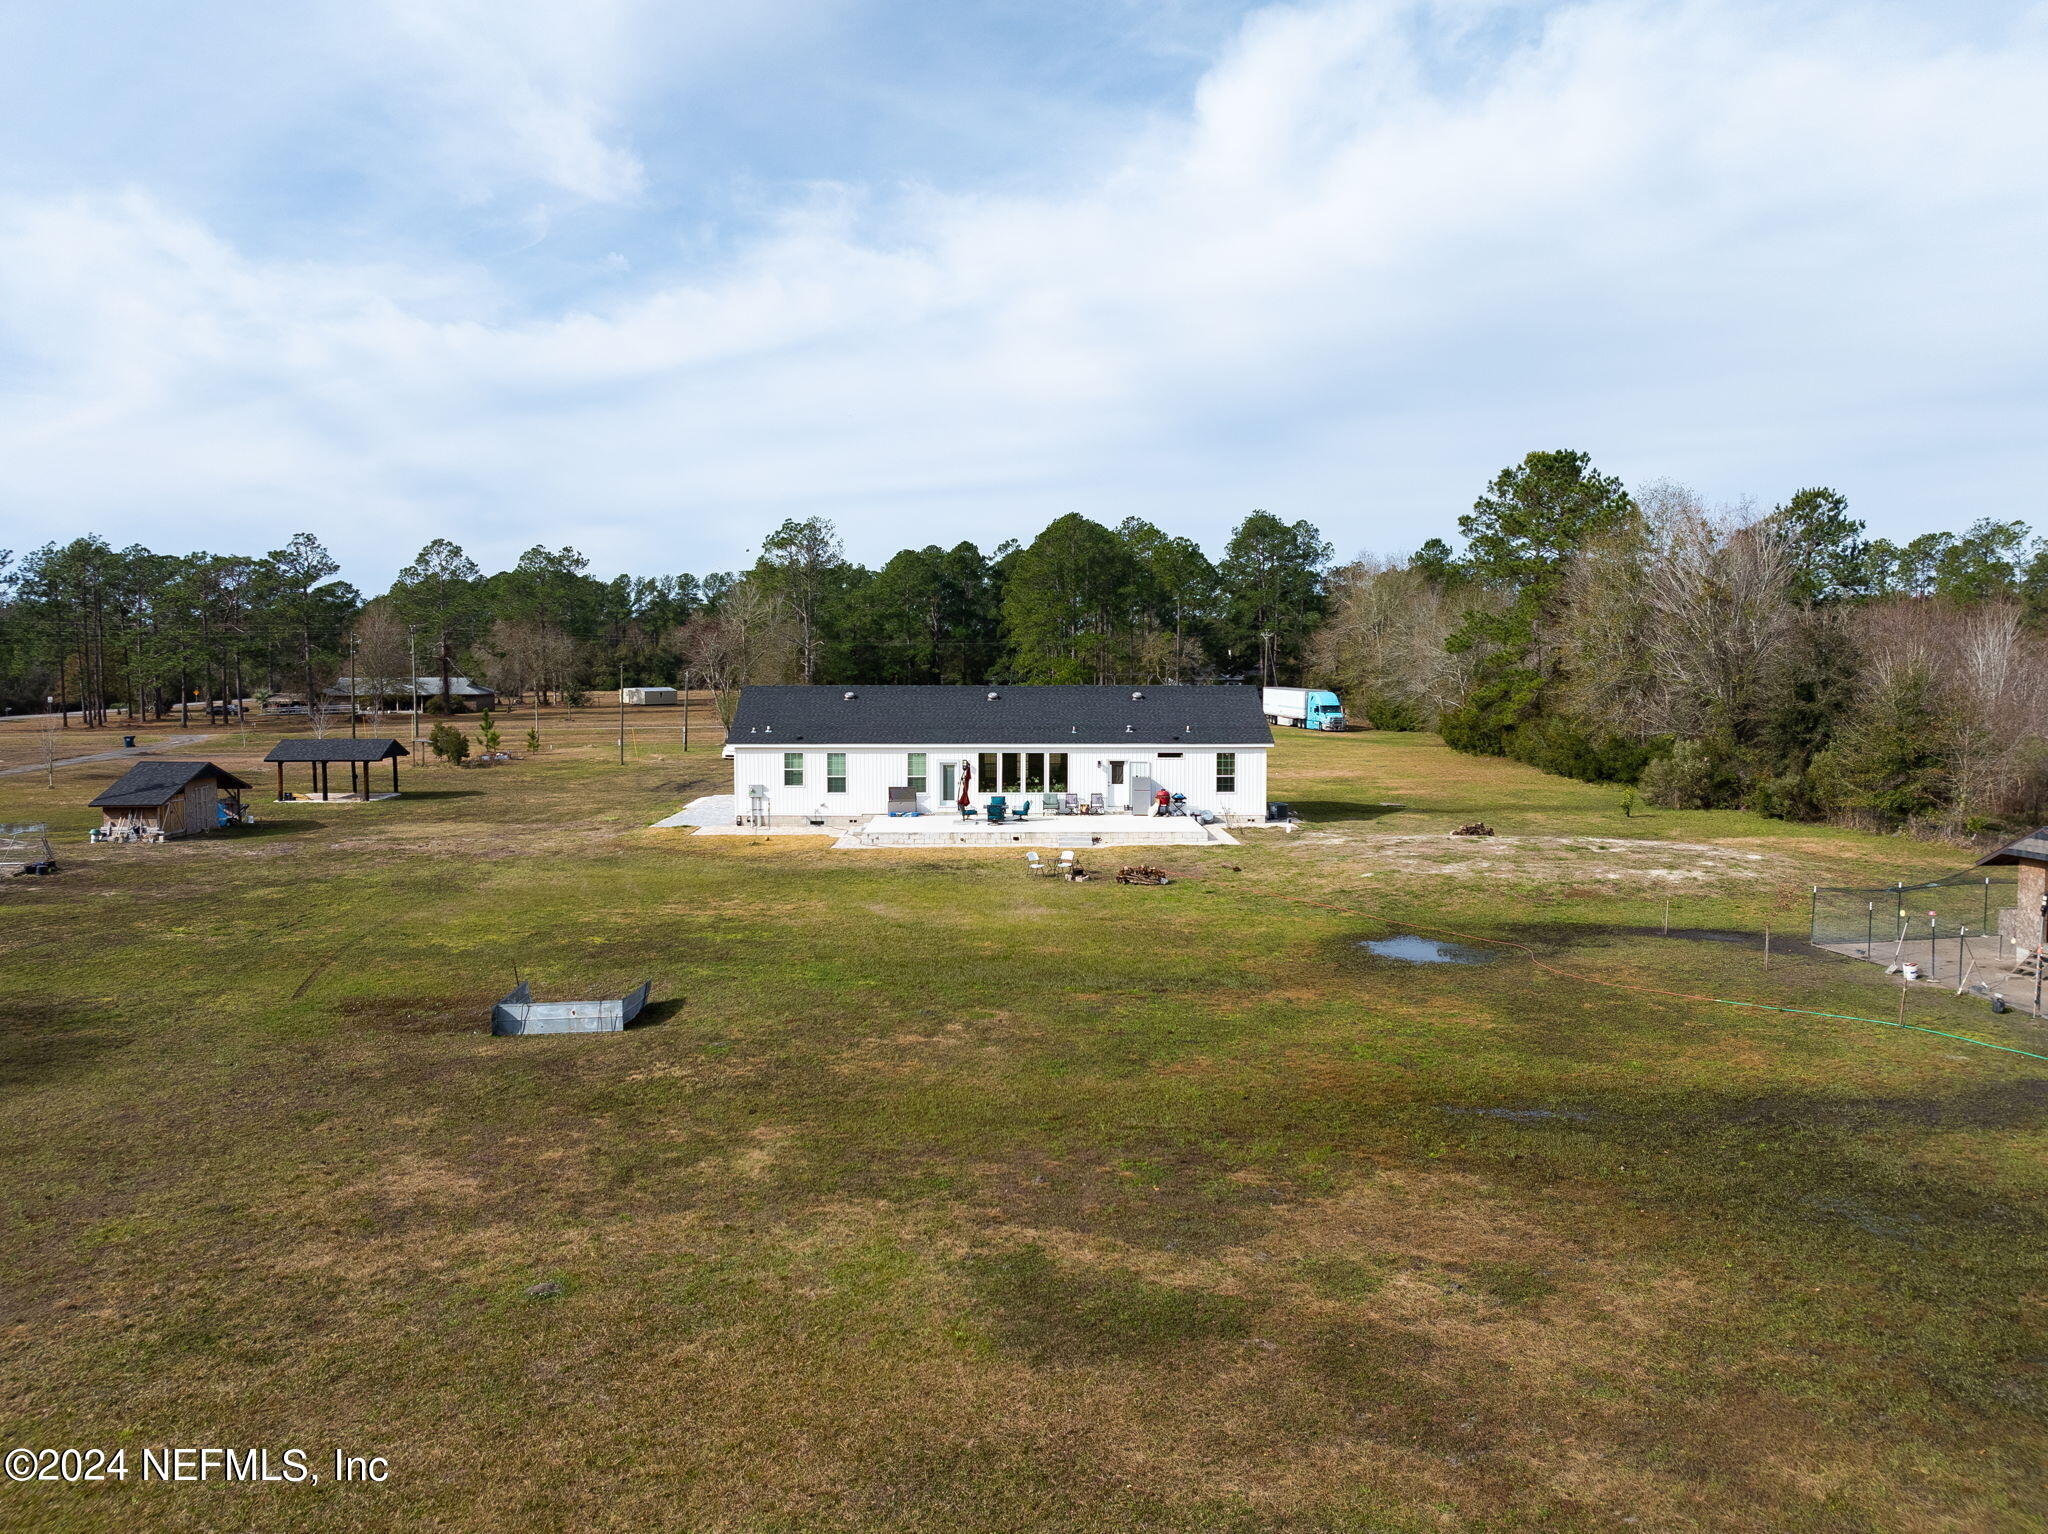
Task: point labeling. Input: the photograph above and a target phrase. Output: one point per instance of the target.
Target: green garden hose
(1846, 1017)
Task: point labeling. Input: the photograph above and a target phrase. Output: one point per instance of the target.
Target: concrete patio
(1986, 965)
(1051, 831)
(715, 815)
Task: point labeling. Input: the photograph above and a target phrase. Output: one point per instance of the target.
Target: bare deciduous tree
(751, 638)
(1382, 644)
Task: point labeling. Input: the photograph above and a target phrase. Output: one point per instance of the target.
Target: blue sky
(649, 278)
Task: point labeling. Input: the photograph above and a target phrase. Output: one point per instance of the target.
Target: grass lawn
(933, 1197)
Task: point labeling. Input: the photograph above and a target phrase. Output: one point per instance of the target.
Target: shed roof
(159, 782)
(371, 748)
(1000, 716)
(2031, 848)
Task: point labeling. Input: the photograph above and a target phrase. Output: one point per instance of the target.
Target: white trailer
(645, 697)
(1306, 708)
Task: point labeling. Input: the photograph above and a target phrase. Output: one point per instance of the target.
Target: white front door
(1138, 777)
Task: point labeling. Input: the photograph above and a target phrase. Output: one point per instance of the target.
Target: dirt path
(166, 744)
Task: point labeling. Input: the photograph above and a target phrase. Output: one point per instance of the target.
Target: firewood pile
(1474, 828)
(1142, 873)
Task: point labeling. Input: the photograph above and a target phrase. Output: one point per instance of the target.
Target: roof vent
(1136, 696)
(847, 696)
(993, 696)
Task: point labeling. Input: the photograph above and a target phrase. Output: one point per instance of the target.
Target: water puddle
(1426, 950)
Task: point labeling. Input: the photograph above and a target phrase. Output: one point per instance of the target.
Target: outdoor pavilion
(320, 755)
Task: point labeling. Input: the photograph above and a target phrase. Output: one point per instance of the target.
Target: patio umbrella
(966, 778)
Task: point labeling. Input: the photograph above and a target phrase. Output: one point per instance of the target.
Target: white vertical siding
(871, 771)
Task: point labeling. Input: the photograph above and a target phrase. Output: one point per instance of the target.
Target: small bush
(1684, 780)
(1786, 797)
(449, 743)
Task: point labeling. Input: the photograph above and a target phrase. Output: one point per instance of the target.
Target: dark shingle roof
(1019, 716)
(373, 748)
(2031, 848)
(158, 782)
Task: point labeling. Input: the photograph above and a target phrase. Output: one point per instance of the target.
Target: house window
(1013, 773)
(1226, 772)
(985, 773)
(914, 779)
(1034, 773)
(1056, 772)
(792, 769)
(1116, 774)
(835, 772)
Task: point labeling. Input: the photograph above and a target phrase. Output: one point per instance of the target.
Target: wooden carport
(320, 755)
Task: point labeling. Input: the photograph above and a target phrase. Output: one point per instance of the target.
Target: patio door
(949, 781)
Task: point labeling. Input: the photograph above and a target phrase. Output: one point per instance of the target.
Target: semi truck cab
(1306, 708)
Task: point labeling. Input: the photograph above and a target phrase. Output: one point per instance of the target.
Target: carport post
(394, 772)
(280, 780)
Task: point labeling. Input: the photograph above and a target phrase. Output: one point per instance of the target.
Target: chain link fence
(1887, 919)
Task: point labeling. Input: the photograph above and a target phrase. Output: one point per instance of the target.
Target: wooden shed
(155, 800)
(320, 755)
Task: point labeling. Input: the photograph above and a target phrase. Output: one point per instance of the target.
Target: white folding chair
(1031, 858)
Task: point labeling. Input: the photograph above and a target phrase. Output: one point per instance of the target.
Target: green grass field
(934, 1197)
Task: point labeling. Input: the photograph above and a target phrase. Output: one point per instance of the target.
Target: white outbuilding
(837, 755)
(649, 697)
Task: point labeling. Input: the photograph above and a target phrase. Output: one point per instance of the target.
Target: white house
(799, 753)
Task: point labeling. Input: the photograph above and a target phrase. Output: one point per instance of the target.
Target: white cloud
(524, 87)
(1389, 248)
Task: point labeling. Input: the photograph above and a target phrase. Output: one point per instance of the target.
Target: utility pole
(686, 708)
(622, 713)
(412, 682)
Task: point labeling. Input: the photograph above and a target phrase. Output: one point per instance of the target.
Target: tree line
(1778, 659)
(88, 630)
